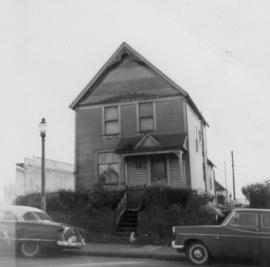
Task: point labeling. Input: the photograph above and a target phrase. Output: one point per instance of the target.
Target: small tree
(258, 195)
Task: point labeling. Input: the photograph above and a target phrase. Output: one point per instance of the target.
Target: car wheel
(198, 253)
(30, 249)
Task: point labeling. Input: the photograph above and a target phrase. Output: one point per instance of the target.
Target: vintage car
(29, 230)
(245, 233)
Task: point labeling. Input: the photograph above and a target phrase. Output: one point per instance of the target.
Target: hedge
(163, 207)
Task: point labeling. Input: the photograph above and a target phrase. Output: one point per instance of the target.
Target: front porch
(151, 160)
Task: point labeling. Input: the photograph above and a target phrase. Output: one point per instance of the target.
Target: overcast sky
(218, 51)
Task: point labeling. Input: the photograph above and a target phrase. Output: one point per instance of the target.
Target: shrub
(90, 209)
(165, 207)
(258, 195)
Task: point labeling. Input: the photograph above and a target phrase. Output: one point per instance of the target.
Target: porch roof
(165, 143)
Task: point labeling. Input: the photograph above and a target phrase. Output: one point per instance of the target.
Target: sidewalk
(132, 251)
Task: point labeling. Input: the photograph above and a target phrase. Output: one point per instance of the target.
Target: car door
(265, 235)
(241, 236)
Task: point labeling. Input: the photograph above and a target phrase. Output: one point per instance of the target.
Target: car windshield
(36, 216)
(228, 218)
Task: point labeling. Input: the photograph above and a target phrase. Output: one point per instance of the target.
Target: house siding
(170, 116)
(137, 176)
(90, 139)
(175, 180)
(195, 157)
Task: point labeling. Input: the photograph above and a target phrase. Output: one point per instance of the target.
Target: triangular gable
(118, 58)
(147, 141)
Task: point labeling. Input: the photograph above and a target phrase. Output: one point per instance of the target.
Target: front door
(158, 169)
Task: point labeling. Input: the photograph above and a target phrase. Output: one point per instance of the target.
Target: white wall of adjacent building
(59, 175)
(195, 153)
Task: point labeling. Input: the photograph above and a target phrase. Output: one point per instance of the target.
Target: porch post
(181, 171)
(121, 171)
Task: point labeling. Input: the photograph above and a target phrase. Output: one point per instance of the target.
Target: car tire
(197, 253)
(30, 249)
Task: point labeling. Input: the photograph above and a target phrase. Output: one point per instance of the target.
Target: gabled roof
(209, 162)
(163, 142)
(219, 187)
(123, 49)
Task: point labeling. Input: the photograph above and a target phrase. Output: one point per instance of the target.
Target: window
(108, 168)
(146, 117)
(244, 220)
(266, 220)
(111, 120)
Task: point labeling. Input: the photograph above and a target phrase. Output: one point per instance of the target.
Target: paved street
(90, 261)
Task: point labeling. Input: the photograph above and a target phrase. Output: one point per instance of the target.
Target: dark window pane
(146, 110)
(31, 216)
(111, 113)
(146, 124)
(244, 220)
(112, 127)
(109, 173)
(266, 220)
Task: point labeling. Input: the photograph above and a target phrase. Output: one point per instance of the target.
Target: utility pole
(225, 175)
(233, 176)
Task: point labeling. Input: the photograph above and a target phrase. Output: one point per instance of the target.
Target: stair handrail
(136, 194)
(121, 208)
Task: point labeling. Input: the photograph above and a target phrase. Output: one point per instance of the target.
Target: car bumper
(70, 244)
(178, 247)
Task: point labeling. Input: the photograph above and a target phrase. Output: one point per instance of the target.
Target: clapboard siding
(136, 175)
(89, 138)
(89, 141)
(174, 171)
(170, 117)
(128, 120)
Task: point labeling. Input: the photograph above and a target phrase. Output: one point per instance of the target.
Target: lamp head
(43, 128)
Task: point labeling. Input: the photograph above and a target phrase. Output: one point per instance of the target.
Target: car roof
(251, 209)
(18, 210)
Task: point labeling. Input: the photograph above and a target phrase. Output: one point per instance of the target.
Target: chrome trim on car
(69, 243)
(174, 245)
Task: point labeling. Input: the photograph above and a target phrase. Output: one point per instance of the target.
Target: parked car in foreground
(245, 233)
(29, 230)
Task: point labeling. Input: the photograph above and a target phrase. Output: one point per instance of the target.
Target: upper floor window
(111, 120)
(146, 121)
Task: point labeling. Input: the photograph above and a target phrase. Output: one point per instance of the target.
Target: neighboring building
(221, 194)
(135, 126)
(59, 175)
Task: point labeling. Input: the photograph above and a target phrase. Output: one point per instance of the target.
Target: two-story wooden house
(135, 126)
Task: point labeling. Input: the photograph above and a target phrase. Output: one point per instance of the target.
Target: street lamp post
(42, 130)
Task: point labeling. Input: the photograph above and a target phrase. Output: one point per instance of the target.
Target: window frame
(239, 213)
(104, 121)
(264, 226)
(120, 182)
(139, 130)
